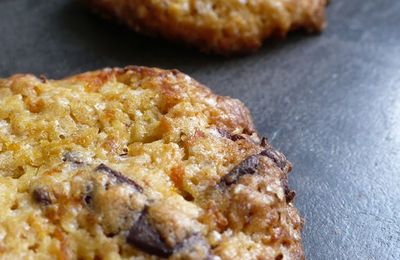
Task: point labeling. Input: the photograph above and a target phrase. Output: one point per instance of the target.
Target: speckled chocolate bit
(226, 134)
(88, 197)
(264, 142)
(248, 166)
(72, 157)
(41, 196)
(236, 137)
(289, 194)
(43, 78)
(124, 152)
(145, 237)
(278, 158)
(118, 176)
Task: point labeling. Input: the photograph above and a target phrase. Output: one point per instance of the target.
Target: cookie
(220, 26)
(138, 163)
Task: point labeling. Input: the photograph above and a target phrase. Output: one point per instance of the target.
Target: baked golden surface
(220, 26)
(138, 162)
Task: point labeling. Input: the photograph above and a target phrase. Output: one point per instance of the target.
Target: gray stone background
(331, 103)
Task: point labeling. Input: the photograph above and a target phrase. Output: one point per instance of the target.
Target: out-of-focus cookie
(219, 26)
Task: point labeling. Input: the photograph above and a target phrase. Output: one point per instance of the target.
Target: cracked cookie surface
(138, 163)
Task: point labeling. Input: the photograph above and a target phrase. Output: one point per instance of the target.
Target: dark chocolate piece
(277, 157)
(41, 196)
(248, 166)
(236, 137)
(118, 176)
(289, 194)
(88, 197)
(145, 237)
(264, 142)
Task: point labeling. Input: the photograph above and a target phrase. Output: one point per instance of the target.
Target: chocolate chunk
(226, 134)
(264, 142)
(289, 194)
(119, 177)
(277, 157)
(72, 157)
(145, 237)
(41, 196)
(248, 166)
(236, 137)
(88, 198)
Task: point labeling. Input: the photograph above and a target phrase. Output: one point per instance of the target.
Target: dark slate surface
(330, 102)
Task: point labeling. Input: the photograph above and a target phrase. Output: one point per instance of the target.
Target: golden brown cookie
(220, 26)
(138, 162)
